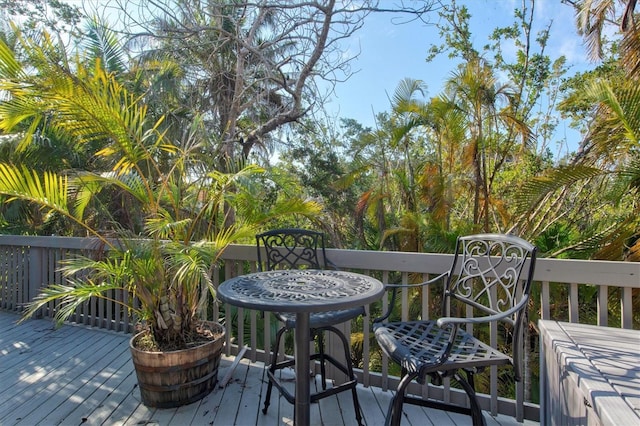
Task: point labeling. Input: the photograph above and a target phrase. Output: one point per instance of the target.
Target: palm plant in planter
(166, 223)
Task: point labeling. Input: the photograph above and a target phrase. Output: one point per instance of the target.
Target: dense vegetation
(475, 157)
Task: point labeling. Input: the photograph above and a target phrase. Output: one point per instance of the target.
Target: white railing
(27, 263)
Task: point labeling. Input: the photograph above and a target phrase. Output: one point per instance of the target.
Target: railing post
(574, 303)
(626, 307)
(602, 307)
(36, 273)
(544, 300)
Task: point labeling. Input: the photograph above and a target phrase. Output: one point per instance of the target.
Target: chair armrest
(484, 319)
(394, 289)
(444, 321)
(425, 283)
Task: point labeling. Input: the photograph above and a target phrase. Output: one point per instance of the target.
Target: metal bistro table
(301, 291)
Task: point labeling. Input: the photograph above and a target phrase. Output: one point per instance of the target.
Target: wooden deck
(82, 376)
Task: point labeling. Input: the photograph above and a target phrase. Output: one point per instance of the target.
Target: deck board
(78, 375)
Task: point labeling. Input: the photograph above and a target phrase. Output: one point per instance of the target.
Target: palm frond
(68, 297)
(348, 179)
(49, 191)
(621, 116)
(104, 44)
(10, 67)
(404, 96)
(536, 188)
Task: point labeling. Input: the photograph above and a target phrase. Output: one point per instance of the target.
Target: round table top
(300, 290)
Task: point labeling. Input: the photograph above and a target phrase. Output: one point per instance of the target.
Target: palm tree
(476, 92)
(405, 133)
(427, 136)
(449, 127)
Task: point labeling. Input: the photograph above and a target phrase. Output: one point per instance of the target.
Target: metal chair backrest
(291, 248)
(492, 273)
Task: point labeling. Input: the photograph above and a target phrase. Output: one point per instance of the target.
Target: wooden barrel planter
(172, 379)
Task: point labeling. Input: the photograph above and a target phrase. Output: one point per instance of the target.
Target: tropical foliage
(475, 157)
(147, 195)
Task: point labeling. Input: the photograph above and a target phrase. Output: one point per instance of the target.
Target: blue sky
(389, 53)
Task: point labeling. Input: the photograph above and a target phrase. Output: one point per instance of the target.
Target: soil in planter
(204, 333)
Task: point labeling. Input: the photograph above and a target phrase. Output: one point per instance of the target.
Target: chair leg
(349, 365)
(352, 376)
(394, 415)
(469, 387)
(356, 405)
(272, 368)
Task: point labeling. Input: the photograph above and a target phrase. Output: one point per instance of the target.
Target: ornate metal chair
(300, 248)
(491, 274)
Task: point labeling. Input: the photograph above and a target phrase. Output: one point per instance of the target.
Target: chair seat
(419, 345)
(322, 319)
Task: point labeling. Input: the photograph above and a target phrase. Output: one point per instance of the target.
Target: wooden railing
(563, 290)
